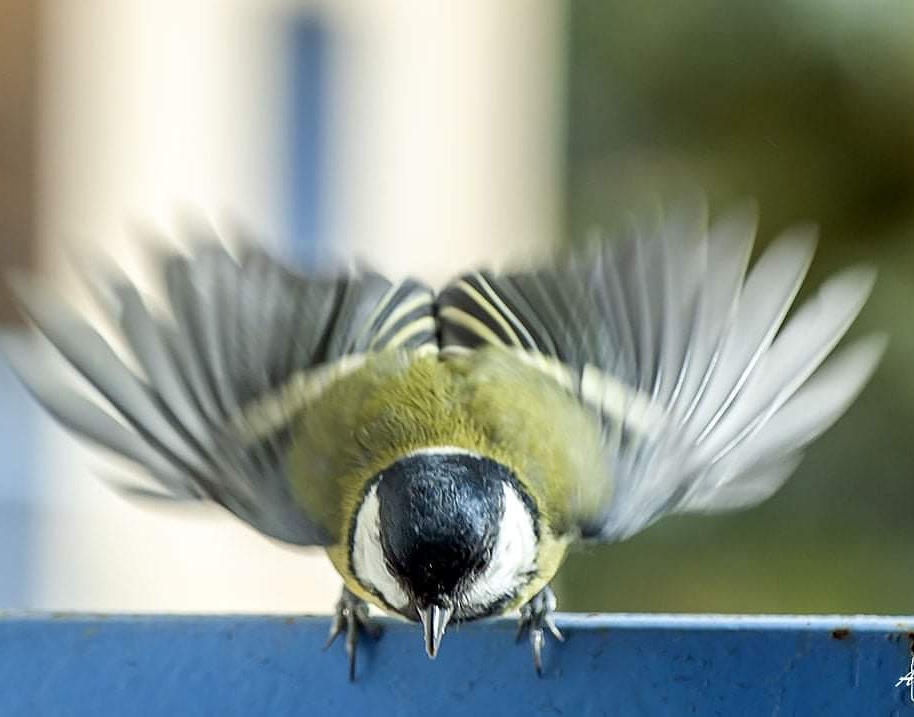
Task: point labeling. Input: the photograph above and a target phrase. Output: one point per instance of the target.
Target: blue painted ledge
(620, 664)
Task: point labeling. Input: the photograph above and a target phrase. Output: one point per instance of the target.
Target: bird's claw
(351, 617)
(535, 618)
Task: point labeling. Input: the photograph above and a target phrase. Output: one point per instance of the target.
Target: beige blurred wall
(443, 150)
(153, 109)
(447, 131)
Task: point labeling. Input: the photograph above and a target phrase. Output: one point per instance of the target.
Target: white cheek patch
(368, 556)
(442, 451)
(513, 558)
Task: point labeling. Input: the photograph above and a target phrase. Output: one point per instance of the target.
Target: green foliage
(808, 107)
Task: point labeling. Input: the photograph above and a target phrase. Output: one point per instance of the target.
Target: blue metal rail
(621, 665)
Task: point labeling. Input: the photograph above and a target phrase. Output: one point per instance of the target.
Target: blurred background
(428, 137)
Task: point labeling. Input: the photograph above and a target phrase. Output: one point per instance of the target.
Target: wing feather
(707, 398)
(244, 345)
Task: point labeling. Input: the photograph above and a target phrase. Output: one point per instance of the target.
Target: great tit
(447, 449)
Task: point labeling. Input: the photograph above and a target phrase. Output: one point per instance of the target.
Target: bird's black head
(444, 533)
(440, 515)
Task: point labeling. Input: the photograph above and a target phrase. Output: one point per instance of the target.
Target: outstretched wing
(706, 396)
(243, 346)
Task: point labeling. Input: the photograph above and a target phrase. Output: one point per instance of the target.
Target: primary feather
(707, 398)
(240, 337)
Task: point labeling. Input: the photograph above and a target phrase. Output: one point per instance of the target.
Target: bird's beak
(434, 623)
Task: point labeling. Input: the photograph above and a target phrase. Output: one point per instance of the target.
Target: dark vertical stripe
(308, 61)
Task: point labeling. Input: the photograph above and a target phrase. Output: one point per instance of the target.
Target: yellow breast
(488, 403)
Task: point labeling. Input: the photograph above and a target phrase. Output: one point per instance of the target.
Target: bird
(447, 448)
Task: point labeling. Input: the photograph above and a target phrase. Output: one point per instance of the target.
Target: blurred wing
(706, 396)
(247, 344)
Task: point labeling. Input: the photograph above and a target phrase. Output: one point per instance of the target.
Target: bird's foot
(351, 617)
(535, 618)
